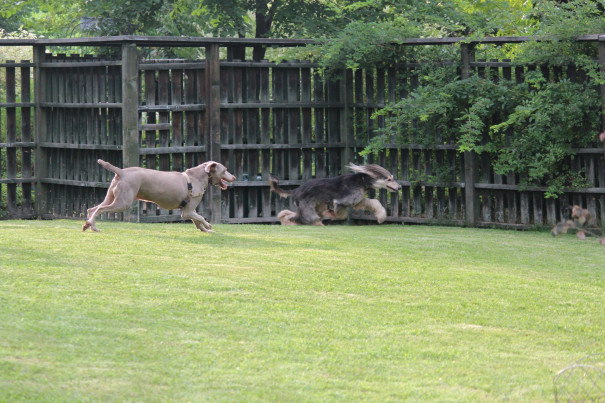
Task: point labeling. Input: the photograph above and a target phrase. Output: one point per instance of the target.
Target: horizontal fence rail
(60, 113)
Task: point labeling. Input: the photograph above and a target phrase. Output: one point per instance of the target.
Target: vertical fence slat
(470, 162)
(26, 136)
(236, 122)
(11, 137)
(126, 91)
(428, 190)
(306, 124)
(452, 163)
(293, 119)
(265, 139)
(213, 111)
(177, 118)
(320, 133)
(440, 191)
(601, 183)
(40, 130)
(251, 133)
(163, 98)
(151, 209)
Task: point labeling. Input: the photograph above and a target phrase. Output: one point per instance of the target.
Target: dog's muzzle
(222, 183)
(394, 187)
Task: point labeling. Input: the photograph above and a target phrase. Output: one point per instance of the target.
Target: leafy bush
(531, 128)
(552, 120)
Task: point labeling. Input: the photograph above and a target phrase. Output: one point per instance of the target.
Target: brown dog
(169, 190)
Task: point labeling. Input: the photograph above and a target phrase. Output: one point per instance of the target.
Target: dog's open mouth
(393, 187)
(223, 183)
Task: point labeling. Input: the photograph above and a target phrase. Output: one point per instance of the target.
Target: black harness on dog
(189, 192)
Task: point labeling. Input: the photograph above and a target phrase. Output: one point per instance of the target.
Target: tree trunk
(264, 20)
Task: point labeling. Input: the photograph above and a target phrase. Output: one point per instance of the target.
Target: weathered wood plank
(333, 132)
(11, 137)
(164, 119)
(265, 139)
(416, 188)
(319, 118)
(280, 158)
(236, 83)
(177, 119)
(293, 125)
(213, 137)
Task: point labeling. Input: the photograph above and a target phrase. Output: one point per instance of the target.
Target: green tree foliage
(530, 128)
(61, 18)
(225, 18)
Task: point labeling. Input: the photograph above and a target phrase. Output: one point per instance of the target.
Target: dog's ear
(209, 166)
(372, 170)
(357, 168)
(363, 169)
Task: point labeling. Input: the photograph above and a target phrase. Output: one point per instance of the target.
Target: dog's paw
(89, 225)
(381, 215)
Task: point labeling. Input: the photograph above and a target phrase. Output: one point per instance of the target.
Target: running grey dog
(329, 198)
(169, 190)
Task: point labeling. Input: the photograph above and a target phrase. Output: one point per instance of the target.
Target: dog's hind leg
(109, 198)
(287, 217)
(374, 206)
(118, 199)
(307, 214)
(324, 211)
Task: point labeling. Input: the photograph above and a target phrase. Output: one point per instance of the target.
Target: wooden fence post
(470, 159)
(130, 116)
(41, 157)
(601, 172)
(347, 135)
(213, 130)
(346, 126)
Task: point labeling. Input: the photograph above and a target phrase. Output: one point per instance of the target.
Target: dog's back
(326, 190)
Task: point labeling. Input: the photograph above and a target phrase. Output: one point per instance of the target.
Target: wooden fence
(256, 117)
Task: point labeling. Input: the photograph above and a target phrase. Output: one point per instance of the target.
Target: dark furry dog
(329, 198)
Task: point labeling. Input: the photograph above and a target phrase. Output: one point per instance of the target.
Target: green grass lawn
(162, 312)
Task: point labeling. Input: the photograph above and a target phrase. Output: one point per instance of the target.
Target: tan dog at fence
(169, 190)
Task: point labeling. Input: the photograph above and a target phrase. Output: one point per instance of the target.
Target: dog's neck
(199, 175)
(364, 180)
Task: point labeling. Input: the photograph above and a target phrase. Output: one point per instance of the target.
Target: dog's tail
(109, 167)
(273, 181)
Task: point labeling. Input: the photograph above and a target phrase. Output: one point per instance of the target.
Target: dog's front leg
(374, 206)
(340, 213)
(199, 221)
